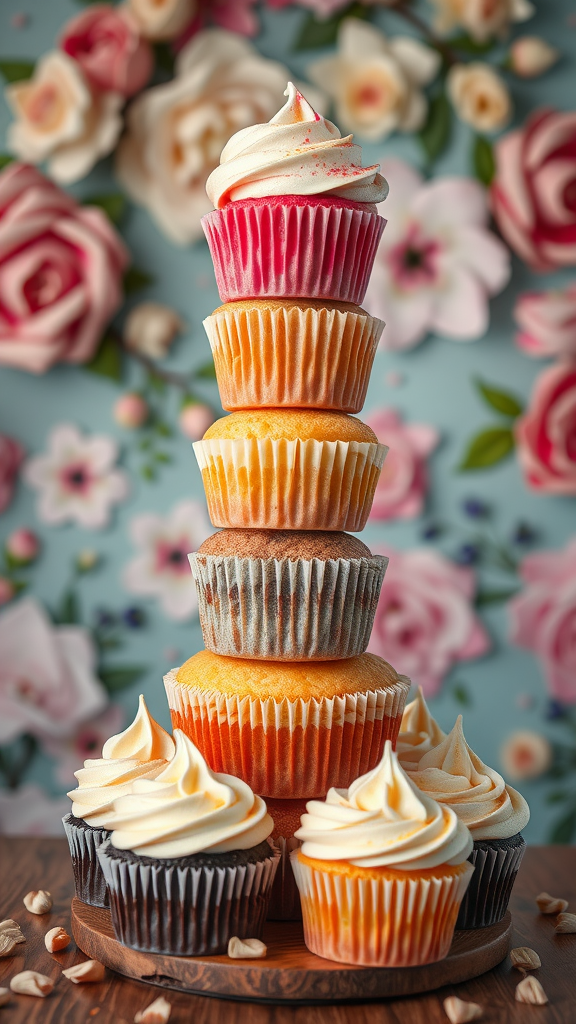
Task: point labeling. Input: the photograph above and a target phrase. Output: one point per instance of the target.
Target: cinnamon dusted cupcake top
(291, 544)
(290, 425)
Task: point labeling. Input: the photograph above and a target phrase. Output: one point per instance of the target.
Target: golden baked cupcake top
(289, 303)
(290, 425)
(291, 544)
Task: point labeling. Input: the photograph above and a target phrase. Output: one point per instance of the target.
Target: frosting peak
(419, 732)
(298, 152)
(144, 739)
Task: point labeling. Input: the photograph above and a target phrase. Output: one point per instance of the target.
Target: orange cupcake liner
(289, 749)
(289, 485)
(288, 356)
(379, 922)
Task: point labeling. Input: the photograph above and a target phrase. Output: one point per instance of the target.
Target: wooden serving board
(289, 973)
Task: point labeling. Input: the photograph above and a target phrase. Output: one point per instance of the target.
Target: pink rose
(425, 621)
(11, 455)
(546, 434)
(404, 481)
(547, 322)
(61, 266)
(543, 617)
(106, 43)
(534, 191)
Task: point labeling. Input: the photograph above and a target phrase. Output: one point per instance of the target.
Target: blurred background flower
(401, 489)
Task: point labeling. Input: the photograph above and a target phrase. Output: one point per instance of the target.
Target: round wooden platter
(289, 973)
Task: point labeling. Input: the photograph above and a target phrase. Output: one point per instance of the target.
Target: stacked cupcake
(284, 696)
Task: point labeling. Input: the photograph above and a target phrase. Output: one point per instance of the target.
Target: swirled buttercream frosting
(187, 809)
(141, 750)
(418, 732)
(383, 821)
(297, 152)
(455, 776)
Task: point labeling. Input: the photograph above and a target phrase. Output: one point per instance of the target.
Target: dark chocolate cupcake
(496, 863)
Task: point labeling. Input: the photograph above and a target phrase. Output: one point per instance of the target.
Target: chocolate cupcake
(141, 751)
(287, 595)
(189, 863)
(495, 814)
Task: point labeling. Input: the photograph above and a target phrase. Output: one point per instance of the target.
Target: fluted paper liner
(289, 749)
(84, 840)
(289, 485)
(489, 893)
(379, 922)
(283, 609)
(316, 251)
(285, 899)
(293, 357)
(181, 910)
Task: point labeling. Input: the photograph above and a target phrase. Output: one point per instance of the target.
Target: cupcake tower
(284, 696)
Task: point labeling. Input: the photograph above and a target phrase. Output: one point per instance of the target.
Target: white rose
(479, 96)
(162, 19)
(531, 56)
(150, 329)
(177, 131)
(481, 19)
(60, 119)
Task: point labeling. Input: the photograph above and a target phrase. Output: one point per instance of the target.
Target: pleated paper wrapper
(84, 840)
(285, 899)
(289, 749)
(489, 893)
(186, 911)
(379, 922)
(292, 357)
(289, 485)
(310, 250)
(283, 609)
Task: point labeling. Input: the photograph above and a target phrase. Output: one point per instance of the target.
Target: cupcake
(285, 899)
(289, 729)
(288, 469)
(295, 210)
(295, 353)
(287, 595)
(494, 813)
(382, 871)
(419, 732)
(141, 751)
(189, 863)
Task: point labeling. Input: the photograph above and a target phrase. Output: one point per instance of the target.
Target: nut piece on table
(31, 983)
(157, 1013)
(548, 904)
(56, 939)
(565, 924)
(9, 927)
(525, 959)
(40, 902)
(530, 991)
(246, 949)
(460, 1012)
(7, 945)
(4, 996)
(90, 970)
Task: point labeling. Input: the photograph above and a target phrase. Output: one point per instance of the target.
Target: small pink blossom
(194, 420)
(77, 479)
(23, 545)
(131, 411)
(7, 590)
(403, 482)
(546, 433)
(86, 742)
(525, 755)
(11, 456)
(425, 621)
(543, 617)
(547, 322)
(29, 811)
(106, 43)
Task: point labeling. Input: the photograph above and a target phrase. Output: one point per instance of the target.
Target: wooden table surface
(38, 863)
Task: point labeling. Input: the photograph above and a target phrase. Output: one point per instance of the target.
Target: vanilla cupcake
(419, 732)
(382, 871)
(141, 751)
(494, 813)
(189, 863)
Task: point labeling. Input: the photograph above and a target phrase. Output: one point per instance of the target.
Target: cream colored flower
(150, 328)
(479, 96)
(376, 82)
(525, 755)
(531, 56)
(162, 19)
(481, 18)
(177, 131)
(60, 119)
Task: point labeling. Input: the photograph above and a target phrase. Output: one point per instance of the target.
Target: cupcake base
(84, 841)
(285, 899)
(496, 863)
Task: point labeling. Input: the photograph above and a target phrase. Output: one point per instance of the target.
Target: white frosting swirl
(455, 776)
(189, 809)
(297, 152)
(418, 732)
(383, 821)
(142, 750)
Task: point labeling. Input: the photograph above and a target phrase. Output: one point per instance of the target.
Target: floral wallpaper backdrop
(112, 118)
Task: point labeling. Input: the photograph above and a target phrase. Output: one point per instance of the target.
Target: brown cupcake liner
(84, 841)
(285, 899)
(284, 609)
(488, 895)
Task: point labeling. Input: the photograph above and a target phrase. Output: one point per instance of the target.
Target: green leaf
(466, 44)
(316, 32)
(5, 159)
(501, 401)
(119, 678)
(557, 796)
(487, 448)
(108, 360)
(16, 70)
(565, 828)
(460, 694)
(164, 429)
(68, 613)
(435, 134)
(163, 457)
(135, 280)
(483, 160)
(148, 473)
(484, 597)
(206, 372)
(113, 204)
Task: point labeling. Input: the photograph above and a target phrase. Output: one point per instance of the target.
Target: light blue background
(436, 388)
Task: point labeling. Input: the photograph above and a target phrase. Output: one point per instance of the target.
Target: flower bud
(7, 590)
(479, 96)
(194, 420)
(525, 755)
(150, 329)
(131, 411)
(531, 56)
(22, 546)
(87, 560)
